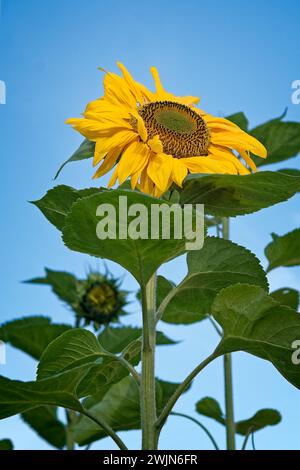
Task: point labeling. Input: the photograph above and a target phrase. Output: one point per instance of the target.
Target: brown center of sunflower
(181, 130)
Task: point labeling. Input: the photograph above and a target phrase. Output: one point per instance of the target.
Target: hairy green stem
(127, 366)
(215, 325)
(106, 427)
(147, 387)
(204, 428)
(230, 425)
(229, 409)
(71, 416)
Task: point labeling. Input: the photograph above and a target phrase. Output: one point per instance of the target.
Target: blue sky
(236, 55)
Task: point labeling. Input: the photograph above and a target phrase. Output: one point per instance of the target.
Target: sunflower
(100, 299)
(157, 138)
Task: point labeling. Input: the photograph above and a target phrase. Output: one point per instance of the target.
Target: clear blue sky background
(236, 55)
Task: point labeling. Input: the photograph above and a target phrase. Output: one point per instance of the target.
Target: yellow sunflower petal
(141, 128)
(213, 121)
(113, 178)
(179, 171)
(245, 155)
(98, 153)
(157, 192)
(240, 140)
(134, 179)
(106, 121)
(161, 93)
(119, 139)
(146, 184)
(102, 107)
(135, 90)
(108, 163)
(188, 100)
(117, 90)
(223, 154)
(207, 165)
(134, 159)
(159, 170)
(155, 144)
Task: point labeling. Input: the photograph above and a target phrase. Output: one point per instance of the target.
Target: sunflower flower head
(157, 138)
(100, 300)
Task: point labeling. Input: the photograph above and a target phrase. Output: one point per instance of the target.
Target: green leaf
(44, 421)
(31, 334)
(120, 408)
(77, 347)
(115, 339)
(57, 203)
(232, 195)
(60, 390)
(220, 263)
(63, 284)
(140, 257)
(163, 287)
(210, 408)
(254, 322)
(287, 296)
(70, 350)
(240, 120)
(284, 250)
(282, 140)
(6, 444)
(261, 419)
(84, 151)
(290, 171)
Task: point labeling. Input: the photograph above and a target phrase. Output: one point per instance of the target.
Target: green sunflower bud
(100, 300)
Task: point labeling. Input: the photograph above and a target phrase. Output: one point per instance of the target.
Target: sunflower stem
(147, 389)
(229, 409)
(71, 416)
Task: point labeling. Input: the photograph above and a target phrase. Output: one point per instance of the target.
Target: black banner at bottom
(135, 459)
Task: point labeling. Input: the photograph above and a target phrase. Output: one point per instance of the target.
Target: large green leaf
(57, 202)
(77, 347)
(6, 444)
(44, 421)
(284, 250)
(232, 195)
(210, 408)
(240, 120)
(31, 334)
(84, 151)
(120, 408)
(70, 350)
(64, 284)
(60, 390)
(287, 296)
(141, 257)
(254, 322)
(220, 263)
(282, 140)
(116, 339)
